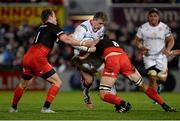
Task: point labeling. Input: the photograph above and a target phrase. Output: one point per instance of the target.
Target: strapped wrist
(81, 43)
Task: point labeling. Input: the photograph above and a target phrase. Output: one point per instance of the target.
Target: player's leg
(150, 92)
(52, 77)
(19, 90)
(87, 80)
(109, 76)
(106, 84)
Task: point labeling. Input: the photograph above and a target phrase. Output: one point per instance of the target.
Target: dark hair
(100, 15)
(153, 10)
(45, 14)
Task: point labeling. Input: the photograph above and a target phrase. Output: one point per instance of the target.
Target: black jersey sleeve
(57, 30)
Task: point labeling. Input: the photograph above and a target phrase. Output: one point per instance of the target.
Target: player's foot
(12, 110)
(47, 110)
(124, 107)
(87, 99)
(168, 108)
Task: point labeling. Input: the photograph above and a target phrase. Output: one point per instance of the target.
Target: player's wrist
(139, 46)
(82, 43)
(88, 49)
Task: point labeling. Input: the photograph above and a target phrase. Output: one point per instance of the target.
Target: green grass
(69, 106)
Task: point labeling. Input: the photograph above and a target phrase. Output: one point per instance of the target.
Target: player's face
(98, 24)
(53, 18)
(153, 19)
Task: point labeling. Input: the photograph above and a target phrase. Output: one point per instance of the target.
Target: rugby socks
(152, 93)
(111, 98)
(53, 90)
(18, 92)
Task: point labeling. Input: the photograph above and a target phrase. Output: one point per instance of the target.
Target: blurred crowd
(55, 2)
(14, 42)
(61, 2)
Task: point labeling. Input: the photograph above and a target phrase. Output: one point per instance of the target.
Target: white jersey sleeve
(79, 33)
(139, 33)
(167, 31)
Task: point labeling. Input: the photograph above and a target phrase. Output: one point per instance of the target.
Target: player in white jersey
(155, 40)
(89, 29)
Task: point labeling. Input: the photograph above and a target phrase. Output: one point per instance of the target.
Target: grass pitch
(70, 106)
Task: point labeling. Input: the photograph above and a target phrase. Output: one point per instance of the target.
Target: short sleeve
(167, 31)
(57, 30)
(139, 32)
(79, 32)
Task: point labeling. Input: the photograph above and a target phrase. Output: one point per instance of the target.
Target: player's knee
(162, 76)
(104, 89)
(88, 79)
(58, 83)
(24, 84)
(152, 73)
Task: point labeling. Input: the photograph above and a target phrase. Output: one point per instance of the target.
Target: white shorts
(159, 61)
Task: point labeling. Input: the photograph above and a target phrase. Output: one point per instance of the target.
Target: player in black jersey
(116, 60)
(35, 62)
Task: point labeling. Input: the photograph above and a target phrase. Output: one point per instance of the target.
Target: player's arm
(61, 36)
(74, 42)
(79, 34)
(139, 45)
(169, 45)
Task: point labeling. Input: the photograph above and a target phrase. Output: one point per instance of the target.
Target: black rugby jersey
(106, 43)
(47, 34)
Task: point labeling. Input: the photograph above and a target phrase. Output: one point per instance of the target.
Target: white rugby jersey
(154, 37)
(85, 31)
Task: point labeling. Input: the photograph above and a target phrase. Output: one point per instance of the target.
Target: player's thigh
(108, 81)
(87, 76)
(54, 79)
(126, 66)
(162, 62)
(149, 61)
(112, 66)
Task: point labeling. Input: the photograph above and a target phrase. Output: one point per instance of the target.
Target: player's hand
(84, 56)
(87, 43)
(167, 52)
(144, 50)
(175, 52)
(91, 49)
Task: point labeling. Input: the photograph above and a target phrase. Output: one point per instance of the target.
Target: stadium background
(20, 18)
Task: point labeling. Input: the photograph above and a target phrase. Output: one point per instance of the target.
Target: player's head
(153, 16)
(48, 15)
(99, 20)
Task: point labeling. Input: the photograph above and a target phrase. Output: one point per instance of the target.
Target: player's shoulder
(163, 25)
(84, 25)
(51, 25)
(145, 25)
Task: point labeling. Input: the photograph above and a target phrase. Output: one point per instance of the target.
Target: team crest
(154, 34)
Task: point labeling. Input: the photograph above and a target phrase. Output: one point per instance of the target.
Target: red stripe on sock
(53, 90)
(152, 93)
(111, 98)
